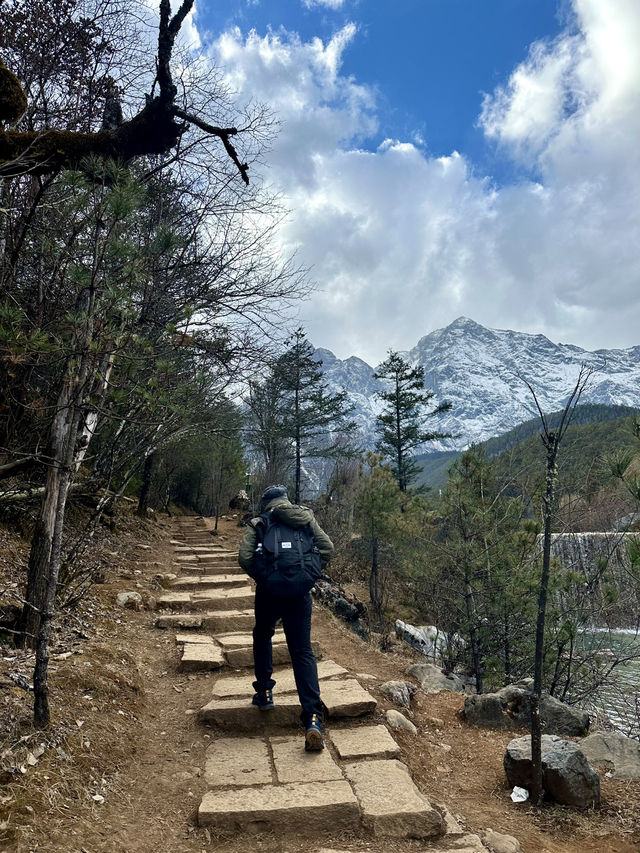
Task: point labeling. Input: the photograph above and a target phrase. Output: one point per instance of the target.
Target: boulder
(615, 752)
(399, 692)
(567, 777)
(133, 600)
(498, 842)
(509, 708)
(398, 721)
(345, 605)
(429, 640)
(433, 680)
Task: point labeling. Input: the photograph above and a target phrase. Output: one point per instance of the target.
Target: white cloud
(330, 4)
(401, 243)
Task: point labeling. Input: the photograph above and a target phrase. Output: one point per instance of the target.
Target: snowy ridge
(478, 370)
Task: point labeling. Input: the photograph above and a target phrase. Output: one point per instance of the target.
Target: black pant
(296, 621)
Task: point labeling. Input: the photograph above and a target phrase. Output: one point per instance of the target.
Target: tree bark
(536, 730)
(145, 489)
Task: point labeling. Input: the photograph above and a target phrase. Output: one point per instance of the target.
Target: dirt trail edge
(173, 757)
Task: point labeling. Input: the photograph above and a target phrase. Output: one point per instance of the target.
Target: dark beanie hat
(271, 494)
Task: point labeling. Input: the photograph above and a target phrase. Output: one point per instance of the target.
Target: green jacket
(294, 516)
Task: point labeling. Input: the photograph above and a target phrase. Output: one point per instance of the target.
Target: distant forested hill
(596, 429)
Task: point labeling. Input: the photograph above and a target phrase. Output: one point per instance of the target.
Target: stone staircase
(258, 776)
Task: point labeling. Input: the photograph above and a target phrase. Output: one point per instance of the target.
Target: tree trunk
(536, 731)
(39, 559)
(473, 631)
(145, 489)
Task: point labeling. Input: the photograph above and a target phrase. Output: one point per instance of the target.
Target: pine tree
(399, 423)
(311, 414)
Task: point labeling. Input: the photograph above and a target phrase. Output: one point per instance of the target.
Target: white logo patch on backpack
(286, 544)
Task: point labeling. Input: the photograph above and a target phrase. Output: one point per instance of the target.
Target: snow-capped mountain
(480, 372)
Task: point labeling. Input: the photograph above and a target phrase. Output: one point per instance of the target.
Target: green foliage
(294, 416)
(399, 423)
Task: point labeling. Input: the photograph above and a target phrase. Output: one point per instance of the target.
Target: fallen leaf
(98, 798)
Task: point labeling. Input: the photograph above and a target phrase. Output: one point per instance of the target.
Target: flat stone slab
(180, 620)
(241, 657)
(203, 581)
(347, 698)
(213, 569)
(217, 556)
(390, 802)
(242, 685)
(238, 761)
(365, 742)
(228, 620)
(242, 639)
(199, 657)
(303, 808)
(238, 649)
(293, 764)
(343, 698)
(195, 548)
(200, 639)
(211, 600)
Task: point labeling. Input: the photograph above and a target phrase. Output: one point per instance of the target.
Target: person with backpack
(285, 550)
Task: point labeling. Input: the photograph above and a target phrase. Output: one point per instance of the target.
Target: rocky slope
(479, 370)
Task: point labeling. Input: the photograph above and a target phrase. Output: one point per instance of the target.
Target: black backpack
(286, 561)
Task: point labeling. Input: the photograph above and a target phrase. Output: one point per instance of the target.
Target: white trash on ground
(519, 795)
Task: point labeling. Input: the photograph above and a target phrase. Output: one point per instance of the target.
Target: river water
(619, 699)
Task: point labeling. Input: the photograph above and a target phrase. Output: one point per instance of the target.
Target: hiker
(285, 551)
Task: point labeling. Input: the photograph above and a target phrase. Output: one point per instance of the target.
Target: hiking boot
(263, 699)
(313, 740)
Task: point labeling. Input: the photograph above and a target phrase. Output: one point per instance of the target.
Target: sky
(446, 158)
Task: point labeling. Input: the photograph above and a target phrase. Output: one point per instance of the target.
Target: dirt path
(130, 774)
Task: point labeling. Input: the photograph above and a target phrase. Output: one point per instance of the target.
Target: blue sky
(449, 157)
(428, 61)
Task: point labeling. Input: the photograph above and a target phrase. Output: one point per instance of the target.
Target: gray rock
(615, 752)
(468, 843)
(433, 680)
(132, 600)
(399, 692)
(567, 777)
(497, 842)
(509, 708)
(398, 721)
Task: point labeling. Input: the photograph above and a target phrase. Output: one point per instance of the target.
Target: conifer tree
(311, 414)
(399, 424)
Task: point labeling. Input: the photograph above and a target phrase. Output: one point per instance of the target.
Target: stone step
(201, 657)
(233, 569)
(390, 802)
(343, 698)
(220, 557)
(198, 549)
(238, 649)
(218, 622)
(190, 621)
(364, 742)
(200, 582)
(208, 557)
(209, 600)
(196, 637)
(228, 620)
(306, 808)
(242, 685)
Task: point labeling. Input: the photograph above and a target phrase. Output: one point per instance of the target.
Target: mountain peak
(477, 369)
